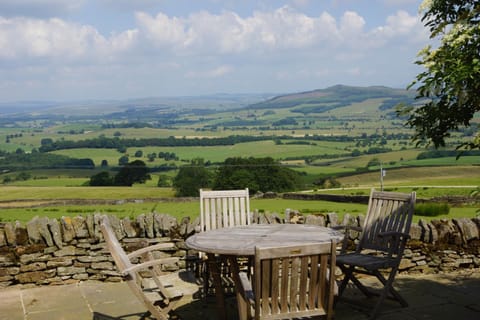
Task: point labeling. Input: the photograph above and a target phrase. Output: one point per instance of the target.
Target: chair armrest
(247, 291)
(158, 246)
(147, 264)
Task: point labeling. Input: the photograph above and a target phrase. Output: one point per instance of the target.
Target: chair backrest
(387, 212)
(294, 281)
(224, 208)
(113, 245)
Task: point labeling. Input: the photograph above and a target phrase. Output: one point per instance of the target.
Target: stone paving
(441, 296)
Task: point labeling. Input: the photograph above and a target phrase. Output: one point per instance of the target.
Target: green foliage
(133, 172)
(258, 174)
(448, 88)
(123, 160)
(191, 178)
(327, 183)
(445, 153)
(429, 209)
(373, 162)
(101, 179)
(164, 181)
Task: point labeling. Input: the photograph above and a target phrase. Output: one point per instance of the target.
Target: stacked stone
(50, 251)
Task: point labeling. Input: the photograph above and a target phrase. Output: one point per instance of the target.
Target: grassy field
(11, 193)
(418, 176)
(181, 209)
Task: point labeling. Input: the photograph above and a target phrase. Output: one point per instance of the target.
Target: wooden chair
(142, 272)
(224, 208)
(381, 245)
(290, 282)
(221, 209)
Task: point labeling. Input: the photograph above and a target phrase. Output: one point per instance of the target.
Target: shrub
(431, 209)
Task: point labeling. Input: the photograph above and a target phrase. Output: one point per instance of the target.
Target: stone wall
(58, 251)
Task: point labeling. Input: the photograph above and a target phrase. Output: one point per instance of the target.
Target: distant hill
(236, 109)
(322, 100)
(149, 104)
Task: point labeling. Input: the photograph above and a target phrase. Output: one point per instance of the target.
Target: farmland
(348, 137)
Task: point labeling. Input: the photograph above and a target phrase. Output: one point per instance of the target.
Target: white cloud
(404, 26)
(227, 32)
(352, 23)
(161, 30)
(202, 33)
(54, 38)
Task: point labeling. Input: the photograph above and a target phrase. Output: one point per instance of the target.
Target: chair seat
(177, 284)
(367, 261)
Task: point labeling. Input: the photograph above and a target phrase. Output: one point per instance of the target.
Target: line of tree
(48, 145)
(445, 153)
(37, 160)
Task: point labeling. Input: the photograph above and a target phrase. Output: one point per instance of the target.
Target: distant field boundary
(363, 199)
(35, 203)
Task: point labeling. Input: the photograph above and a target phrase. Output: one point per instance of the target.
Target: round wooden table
(241, 241)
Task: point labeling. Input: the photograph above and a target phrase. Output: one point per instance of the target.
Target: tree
(123, 160)
(101, 179)
(191, 178)
(164, 181)
(104, 163)
(449, 87)
(133, 172)
(258, 174)
(152, 156)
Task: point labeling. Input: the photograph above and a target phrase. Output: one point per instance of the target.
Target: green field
(371, 132)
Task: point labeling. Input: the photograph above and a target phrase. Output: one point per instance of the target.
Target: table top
(242, 240)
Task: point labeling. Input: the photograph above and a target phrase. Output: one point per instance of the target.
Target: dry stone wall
(57, 251)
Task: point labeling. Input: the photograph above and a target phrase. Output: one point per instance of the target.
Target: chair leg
(361, 287)
(387, 288)
(217, 282)
(346, 278)
(349, 276)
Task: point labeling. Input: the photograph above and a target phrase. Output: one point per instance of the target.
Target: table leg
(241, 302)
(217, 284)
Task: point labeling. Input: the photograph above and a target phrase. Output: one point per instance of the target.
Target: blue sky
(118, 49)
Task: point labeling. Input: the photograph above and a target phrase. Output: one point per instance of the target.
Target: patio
(439, 296)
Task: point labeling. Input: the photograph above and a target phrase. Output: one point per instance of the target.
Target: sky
(64, 50)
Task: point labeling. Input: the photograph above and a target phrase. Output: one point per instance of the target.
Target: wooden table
(242, 240)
